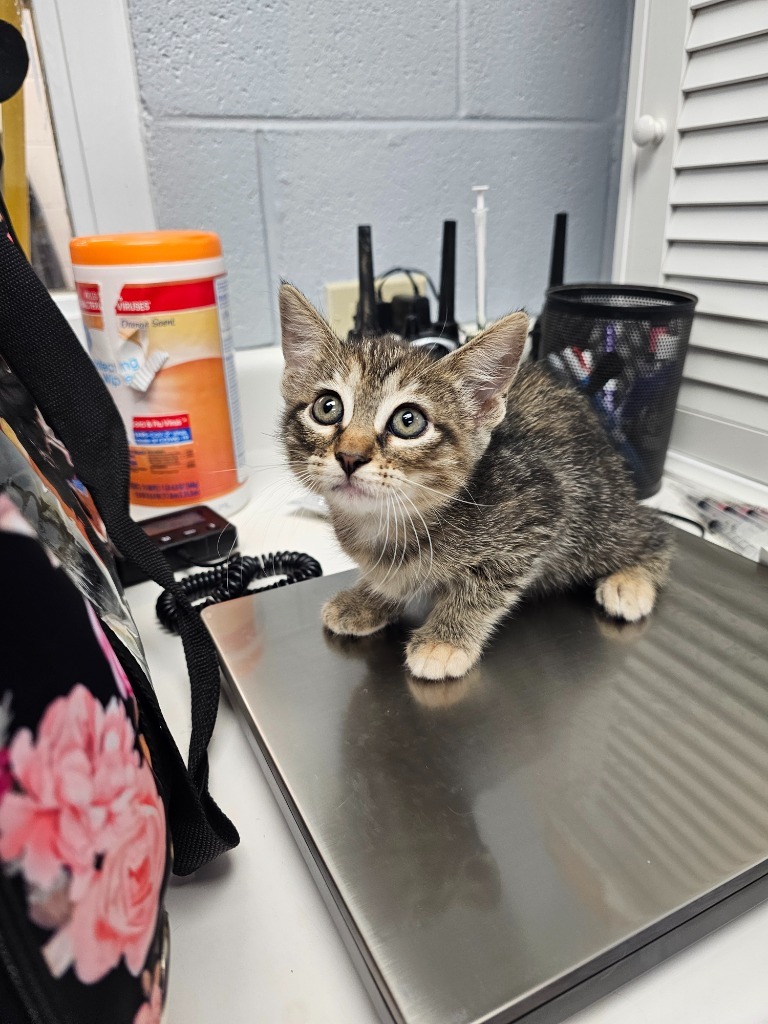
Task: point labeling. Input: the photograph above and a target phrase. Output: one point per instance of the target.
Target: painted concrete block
(321, 183)
(561, 59)
(297, 58)
(208, 178)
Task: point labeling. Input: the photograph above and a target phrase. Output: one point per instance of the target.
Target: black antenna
(366, 321)
(446, 317)
(556, 273)
(557, 259)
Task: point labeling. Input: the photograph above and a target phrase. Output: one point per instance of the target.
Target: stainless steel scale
(514, 845)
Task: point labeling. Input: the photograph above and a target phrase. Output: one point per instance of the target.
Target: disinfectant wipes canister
(156, 318)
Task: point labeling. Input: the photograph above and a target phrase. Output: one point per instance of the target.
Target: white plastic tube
(481, 213)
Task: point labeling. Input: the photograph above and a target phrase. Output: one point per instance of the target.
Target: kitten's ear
(488, 363)
(303, 330)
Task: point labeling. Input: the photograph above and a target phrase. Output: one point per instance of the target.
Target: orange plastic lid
(144, 247)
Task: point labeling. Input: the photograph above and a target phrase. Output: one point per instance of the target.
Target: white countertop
(251, 939)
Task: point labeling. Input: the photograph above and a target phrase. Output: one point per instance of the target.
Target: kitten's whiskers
(405, 531)
(394, 546)
(445, 494)
(270, 500)
(418, 571)
(429, 540)
(369, 571)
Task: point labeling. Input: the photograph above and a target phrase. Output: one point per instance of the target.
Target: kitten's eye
(407, 422)
(327, 409)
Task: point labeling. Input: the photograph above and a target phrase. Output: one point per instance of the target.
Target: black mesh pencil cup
(624, 347)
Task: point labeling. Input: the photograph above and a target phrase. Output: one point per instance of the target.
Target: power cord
(390, 273)
(233, 577)
(409, 272)
(684, 519)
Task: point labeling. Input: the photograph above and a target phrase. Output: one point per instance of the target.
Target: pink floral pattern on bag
(84, 824)
(151, 1012)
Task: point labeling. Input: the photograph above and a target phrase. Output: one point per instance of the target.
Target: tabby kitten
(469, 480)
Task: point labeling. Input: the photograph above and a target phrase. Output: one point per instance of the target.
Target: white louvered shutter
(716, 234)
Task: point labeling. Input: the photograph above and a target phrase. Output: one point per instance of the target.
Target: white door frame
(657, 64)
(88, 59)
(646, 174)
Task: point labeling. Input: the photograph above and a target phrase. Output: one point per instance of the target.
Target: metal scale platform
(514, 845)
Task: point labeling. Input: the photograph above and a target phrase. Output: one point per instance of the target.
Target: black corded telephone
(199, 536)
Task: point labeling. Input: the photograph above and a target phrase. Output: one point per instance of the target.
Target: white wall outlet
(342, 297)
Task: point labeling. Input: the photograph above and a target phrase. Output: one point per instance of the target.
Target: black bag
(61, 415)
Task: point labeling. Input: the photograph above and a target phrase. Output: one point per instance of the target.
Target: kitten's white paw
(627, 595)
(430, 660)
(347, 614)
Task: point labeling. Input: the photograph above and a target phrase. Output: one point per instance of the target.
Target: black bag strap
(41, 348)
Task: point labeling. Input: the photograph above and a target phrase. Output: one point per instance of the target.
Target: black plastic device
(407, 315)
(556, 274)
(366, 318)
(442, 336)
(186, 536)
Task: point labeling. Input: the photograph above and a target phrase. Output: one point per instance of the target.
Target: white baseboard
(711, 481)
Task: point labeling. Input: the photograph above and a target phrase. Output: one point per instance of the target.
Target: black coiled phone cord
(233, 578)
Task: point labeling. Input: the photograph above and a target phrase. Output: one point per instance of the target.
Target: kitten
(467, 479)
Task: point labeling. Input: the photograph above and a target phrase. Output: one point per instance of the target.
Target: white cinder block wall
(282, 124)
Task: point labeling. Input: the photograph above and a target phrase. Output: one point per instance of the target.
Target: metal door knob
(648, 130)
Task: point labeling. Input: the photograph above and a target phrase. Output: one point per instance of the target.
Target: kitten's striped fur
(512, 487)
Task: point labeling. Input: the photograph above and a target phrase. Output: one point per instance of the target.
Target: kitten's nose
(350, 461)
